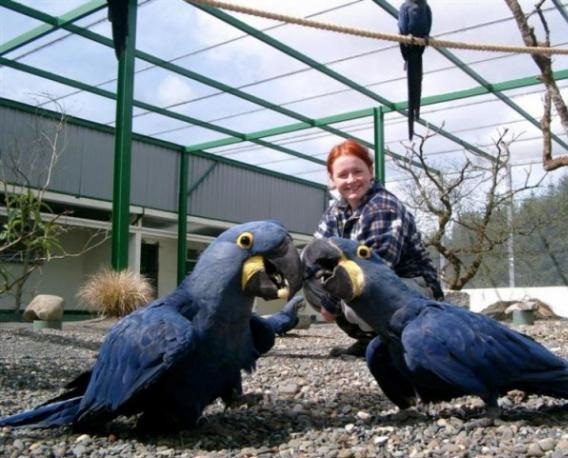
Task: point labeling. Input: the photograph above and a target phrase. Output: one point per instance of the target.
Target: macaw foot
(492, 409)
(149, 423)
(238, 400)
(356, 349)
(493, 412)
(407, 415)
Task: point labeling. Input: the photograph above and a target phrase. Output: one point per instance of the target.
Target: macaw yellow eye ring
(245, 240)
(363, 251)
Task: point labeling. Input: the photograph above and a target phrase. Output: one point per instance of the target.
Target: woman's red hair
(346, 148)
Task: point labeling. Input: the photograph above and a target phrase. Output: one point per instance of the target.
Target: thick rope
(406, 39)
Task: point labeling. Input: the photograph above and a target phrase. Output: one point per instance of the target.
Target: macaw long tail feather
(46, 416)
(414, 81)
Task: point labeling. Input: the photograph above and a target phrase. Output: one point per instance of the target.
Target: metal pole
(182, 217)
(379, 126)
(123, 147)
(510, 241)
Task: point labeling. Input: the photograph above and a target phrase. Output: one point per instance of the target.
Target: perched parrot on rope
(118, 16)
(415, 19)
(170, 359)
(428, 350)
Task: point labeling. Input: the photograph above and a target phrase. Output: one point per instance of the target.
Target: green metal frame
(331, 73)
(379, 135)
(125, 104)
(182, 217)
(123, 147)
(367, 112)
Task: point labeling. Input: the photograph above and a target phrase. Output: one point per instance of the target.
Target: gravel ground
(312, 406)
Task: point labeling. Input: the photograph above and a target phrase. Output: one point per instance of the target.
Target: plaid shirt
(384, 224)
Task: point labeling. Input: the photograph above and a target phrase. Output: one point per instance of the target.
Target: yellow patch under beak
(355, 275)
(251, 266)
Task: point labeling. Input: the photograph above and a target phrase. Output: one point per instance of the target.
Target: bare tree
(31, 231)
(553, 96)
(473, 198)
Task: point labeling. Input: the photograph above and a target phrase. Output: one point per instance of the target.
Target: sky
(194, 40)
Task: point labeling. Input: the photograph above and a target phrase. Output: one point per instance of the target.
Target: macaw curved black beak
(329, 276)
(276, 275)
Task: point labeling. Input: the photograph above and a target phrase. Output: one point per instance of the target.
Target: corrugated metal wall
(219, 190)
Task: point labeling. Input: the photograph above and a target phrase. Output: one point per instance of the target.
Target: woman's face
(351, 177)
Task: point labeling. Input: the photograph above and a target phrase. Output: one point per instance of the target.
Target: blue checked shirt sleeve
(382, 229)
(327, 226)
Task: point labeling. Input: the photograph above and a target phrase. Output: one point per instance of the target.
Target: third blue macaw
(425, 349)
(414, 18)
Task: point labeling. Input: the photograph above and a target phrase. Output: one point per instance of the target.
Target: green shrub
(115, 294)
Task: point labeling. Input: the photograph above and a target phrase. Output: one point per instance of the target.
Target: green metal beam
(51, 24)
(195, 76)
(123, 147)
(182, 218)
(152, 108)
(81, 122)
(379, 130)
(326, 71)
(146, 106)
(367, 112)
(192, 75)
(202, 178)
(385, 5)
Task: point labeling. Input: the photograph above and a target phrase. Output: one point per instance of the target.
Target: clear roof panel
(219, 81)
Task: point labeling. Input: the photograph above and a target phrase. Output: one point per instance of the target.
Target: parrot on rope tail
(414, 19)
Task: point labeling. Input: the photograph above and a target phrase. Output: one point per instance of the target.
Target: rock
(534, 450)
(45, 307)
(546, 444)
(460, 298)
(502, 310)
(521, 306)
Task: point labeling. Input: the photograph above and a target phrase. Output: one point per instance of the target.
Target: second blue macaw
(428, 350)
(414, 18)
(170, 359)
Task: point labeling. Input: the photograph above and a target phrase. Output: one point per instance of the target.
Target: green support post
(182, 217)
(123, 147)
(379, 127)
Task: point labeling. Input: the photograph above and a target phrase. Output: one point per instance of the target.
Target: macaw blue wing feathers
(137, 352)
(263, 335)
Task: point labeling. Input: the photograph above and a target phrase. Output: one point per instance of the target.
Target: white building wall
(64, 277)
(167, 261)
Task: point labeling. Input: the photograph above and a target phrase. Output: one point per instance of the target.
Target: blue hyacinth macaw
(286, 319)
(430, 350)
(414, 18)
(172, 358)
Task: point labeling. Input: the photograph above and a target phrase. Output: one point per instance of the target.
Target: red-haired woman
(367, 212)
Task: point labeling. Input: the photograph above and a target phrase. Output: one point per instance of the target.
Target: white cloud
(173, 89)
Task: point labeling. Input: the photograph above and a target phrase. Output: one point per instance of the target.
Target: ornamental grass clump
(115, 294)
